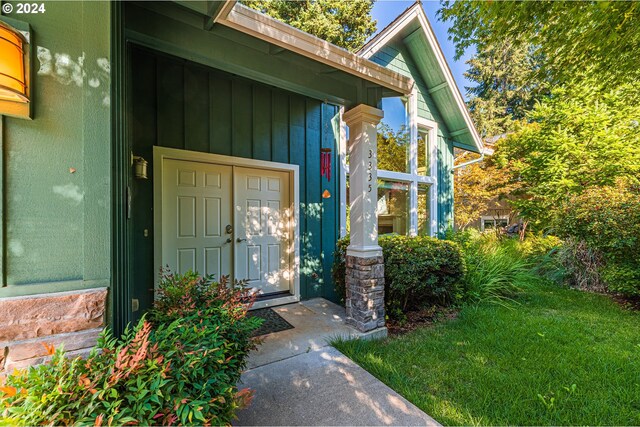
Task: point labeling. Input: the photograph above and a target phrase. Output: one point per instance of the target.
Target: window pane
(424, 159)
(393, 136)
(393, 207)
(424, 211)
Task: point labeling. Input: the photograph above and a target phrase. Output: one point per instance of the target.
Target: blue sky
(385, 11)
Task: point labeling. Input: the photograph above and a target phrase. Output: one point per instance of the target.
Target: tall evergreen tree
(504, 90)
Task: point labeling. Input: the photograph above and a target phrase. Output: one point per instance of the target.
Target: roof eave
(261, 26)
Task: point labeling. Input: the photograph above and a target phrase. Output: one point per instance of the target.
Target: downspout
(470, 162)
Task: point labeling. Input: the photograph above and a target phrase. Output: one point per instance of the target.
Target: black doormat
(273, 322)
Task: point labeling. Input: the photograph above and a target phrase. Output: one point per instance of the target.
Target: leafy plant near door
(178, 366)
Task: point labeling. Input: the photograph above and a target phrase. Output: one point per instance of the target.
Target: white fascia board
(224, 10)
(442, 62)
(388, 33)
(263, 27)
(384, 37)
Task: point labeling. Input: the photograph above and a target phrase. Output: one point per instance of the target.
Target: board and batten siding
(397, 58)
(179, 104)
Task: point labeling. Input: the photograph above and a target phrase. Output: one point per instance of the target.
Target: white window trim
(416, 124)
(344, 170)
(493, 218)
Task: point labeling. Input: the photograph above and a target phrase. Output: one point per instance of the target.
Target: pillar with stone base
(364, 261)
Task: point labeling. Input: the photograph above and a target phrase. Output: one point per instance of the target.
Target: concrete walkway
(300, 380)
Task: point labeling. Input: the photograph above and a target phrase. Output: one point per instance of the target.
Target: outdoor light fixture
(14, 71)
(139, 167)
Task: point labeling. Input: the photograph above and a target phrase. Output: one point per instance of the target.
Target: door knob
(228, 240)
(240, 240)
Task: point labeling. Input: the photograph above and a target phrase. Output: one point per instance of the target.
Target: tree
(504, 91)
(476, 186)
(580, 137)
(393, 148)
(344, 23)
(598, 39)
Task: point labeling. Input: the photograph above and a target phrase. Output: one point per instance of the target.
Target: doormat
(273, 322)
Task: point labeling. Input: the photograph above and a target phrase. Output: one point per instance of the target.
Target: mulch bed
(421, 318)
(627, 303)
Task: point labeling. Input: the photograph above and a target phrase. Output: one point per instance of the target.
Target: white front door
(262, 218)
(228, 220)
(196, 210)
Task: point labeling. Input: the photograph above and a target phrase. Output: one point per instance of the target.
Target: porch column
(364, 261)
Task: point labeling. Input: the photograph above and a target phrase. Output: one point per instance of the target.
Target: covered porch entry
(230, 121)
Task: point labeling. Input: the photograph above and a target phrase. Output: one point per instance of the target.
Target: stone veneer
(70, 319)
(365, 292)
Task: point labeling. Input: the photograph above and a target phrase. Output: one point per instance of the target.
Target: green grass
(496, 365)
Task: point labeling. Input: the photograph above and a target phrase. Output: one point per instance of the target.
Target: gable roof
(412, 29)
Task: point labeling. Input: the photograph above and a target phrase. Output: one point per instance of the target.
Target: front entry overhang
(243, 41)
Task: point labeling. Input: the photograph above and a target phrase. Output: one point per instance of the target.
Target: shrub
(499, 267)
(179, 368)
(418, 271)
(581, 266)
(607, 220)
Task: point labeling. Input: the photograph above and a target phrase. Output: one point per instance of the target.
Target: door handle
(240, 240)
(228, 240)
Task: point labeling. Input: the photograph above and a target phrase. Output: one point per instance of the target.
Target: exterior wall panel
(241, 118)
(57, 166)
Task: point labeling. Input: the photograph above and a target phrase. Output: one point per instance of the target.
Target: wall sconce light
(326, 194)
(139, 167)
(14, 70)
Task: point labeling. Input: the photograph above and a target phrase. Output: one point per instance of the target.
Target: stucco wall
(56, 212)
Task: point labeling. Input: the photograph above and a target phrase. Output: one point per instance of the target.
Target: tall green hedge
(418, 271)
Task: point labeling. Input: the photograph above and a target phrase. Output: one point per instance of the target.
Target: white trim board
(263, 27)
(162, 153)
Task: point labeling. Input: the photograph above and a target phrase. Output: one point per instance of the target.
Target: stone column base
(365, 292)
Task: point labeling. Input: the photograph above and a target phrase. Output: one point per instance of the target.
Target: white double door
(228, 220)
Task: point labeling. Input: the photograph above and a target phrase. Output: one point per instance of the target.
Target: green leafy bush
(418, 272)
(607, 220)
(179, 367)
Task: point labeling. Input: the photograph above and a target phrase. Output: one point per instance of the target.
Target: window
(393, 136)
(424, 153)
(494, 222)
(393, 207)
(407, 172)
(424, 210)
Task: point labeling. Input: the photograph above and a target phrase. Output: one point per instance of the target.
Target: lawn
(559, 357)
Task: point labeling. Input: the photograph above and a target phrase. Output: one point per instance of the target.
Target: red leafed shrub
(179, 366)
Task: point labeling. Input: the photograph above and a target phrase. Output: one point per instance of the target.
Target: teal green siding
(398, 59)
(57, 223)
(179, 104)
